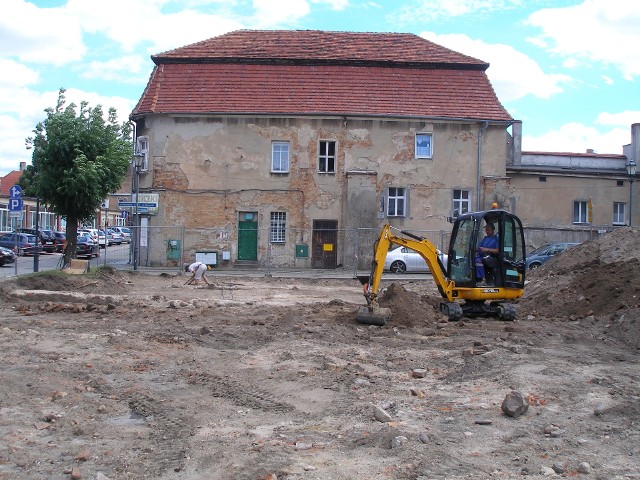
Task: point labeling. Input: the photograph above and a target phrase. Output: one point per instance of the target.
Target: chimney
(516, 131)
(590, 150)
(23, 165)
(635, 142)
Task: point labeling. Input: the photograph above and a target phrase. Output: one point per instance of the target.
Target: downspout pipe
(135, 140)
(483, 126)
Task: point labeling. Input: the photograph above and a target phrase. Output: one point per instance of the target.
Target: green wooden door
(247, 240)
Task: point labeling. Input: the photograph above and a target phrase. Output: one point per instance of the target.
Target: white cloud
(430, 10)
(604, 31)
(270, 13)
(513, 74)
(15, 74)
(132, 69)
(334, 4)
(626, 118)
(23, 108)
(12, 146)
(133, 23)
(40, 35)
(607, 80)
(578, 138)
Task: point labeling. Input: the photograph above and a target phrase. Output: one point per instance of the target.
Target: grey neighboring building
(564, 196)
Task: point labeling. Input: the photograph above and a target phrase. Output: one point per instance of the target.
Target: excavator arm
(373, 313)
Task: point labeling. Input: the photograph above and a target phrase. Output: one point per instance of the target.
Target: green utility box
(173, 250)
(302, 251)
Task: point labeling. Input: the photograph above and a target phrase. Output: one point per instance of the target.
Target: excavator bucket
(374, 315)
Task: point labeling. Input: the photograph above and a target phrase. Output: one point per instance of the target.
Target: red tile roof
(8, 181)
(320, 73)
(318, 46)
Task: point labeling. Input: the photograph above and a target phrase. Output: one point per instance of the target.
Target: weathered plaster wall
(211, 168)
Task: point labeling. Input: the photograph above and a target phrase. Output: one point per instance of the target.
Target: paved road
(115, 255)
(118, 256)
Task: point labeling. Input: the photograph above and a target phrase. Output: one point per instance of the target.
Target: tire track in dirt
(242, 395)
(169, 432)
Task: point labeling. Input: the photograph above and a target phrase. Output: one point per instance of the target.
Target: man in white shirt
(197, 270)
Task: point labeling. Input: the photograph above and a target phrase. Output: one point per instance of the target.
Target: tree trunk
(70, 250)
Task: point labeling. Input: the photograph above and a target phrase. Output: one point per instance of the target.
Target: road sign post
(15, 211)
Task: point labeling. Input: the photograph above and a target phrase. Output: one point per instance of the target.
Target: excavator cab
(474, 282)
(468, 267)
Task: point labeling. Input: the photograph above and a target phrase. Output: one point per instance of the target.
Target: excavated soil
(115, 375)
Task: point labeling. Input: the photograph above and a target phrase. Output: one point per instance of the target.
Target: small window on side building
(619, 213)
(580, 214)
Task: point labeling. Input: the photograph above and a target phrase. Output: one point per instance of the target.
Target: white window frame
(280, 156)
(396, 202)
(422, 151)
(461, 201)
(278, 229)
(142, 148)
(580, 212)
(619, 213)
(326, 161)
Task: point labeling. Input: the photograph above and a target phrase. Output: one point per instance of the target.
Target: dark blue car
(545, 252)
(6, 256)
(86, 248)
(23, 243)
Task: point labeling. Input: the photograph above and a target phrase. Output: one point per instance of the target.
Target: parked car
(22, 242)
(86, 247)
(45, 238)
(126, 233)
(117, 238)
(403, 259)
(93, 232)
(103, 239)
(545, 252)
(6, 256)
(59, 238)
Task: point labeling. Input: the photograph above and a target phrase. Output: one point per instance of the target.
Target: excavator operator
(486, 261)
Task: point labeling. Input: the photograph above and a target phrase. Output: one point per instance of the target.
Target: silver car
(403, 259)
(126, 233)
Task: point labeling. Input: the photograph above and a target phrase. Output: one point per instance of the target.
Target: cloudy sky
(568, 69)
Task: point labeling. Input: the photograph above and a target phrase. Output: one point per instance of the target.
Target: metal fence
(172, 247)
(538, 236)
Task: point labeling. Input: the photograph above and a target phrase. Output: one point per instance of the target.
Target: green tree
(78, 159)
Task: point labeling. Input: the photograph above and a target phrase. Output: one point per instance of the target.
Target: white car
(102, 239)
(93, 233)
(403, 259)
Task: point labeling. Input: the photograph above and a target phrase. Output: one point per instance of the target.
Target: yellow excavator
(471, 284)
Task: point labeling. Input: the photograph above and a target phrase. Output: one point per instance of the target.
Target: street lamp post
(138, 161)
(631, 171)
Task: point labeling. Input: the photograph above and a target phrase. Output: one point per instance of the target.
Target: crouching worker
(197, 270)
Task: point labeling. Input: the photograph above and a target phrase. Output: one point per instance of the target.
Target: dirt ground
(116, 375)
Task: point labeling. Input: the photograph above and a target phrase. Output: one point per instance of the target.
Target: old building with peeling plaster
(287, 145)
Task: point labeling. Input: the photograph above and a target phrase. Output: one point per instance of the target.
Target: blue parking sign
(15, 204)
